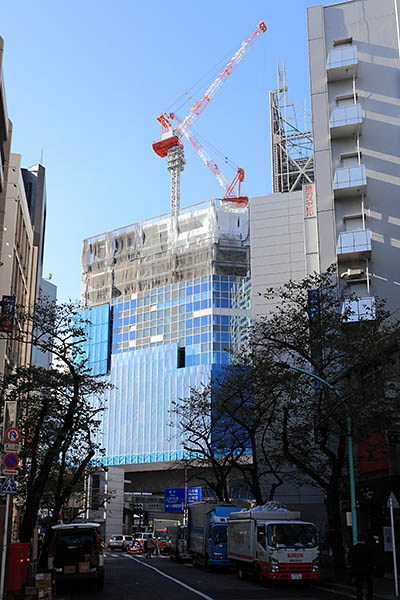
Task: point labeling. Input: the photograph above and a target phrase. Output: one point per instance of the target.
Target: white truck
(160, 529)
(273, 545)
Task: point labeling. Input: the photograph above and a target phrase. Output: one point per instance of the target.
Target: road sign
(174, 498)
(9, 471)
(9, 486)
(13, 435)
(12, 447)
(10, 460)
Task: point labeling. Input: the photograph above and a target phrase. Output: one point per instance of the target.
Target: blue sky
(85, 81)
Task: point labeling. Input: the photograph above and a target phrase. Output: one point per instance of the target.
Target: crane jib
(170, 138)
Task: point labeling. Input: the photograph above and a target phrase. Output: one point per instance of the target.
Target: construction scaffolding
(291, 140)
(210, 238)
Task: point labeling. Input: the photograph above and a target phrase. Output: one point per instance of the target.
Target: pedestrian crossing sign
(9, 486)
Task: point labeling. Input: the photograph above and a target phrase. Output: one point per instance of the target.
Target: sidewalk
(383, 586)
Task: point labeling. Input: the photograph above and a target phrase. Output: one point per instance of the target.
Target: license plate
(295, 576)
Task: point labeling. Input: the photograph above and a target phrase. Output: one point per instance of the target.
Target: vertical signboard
(310, 228)
(7, 314)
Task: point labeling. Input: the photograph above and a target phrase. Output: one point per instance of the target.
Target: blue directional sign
(193, 495)
(174, 498)
(9, 486)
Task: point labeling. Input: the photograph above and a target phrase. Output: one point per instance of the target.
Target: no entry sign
(10, 460)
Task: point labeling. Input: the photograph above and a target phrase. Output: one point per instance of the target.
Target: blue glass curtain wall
(97, 348)
(136, 421)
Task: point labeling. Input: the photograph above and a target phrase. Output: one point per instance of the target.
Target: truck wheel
(241, 573)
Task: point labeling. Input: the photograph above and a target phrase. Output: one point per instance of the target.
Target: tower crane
(173, 129)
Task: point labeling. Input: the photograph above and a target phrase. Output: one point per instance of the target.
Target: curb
(342, 587)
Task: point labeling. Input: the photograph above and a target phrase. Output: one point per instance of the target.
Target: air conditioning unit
(352, 274)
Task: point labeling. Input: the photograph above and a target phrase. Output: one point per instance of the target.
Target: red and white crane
(170, 144)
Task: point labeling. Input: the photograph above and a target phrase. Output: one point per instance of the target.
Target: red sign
(310, 209)
(13, 435)
(10, 460)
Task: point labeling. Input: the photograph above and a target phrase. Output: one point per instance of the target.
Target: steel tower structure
(291, 140)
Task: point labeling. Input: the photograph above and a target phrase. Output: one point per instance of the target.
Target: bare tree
(59, 412)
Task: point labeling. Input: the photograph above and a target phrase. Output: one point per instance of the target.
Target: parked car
(120, 542)
(75, 554)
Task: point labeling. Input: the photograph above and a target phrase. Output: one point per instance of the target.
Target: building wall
(284, 242)
(35, 188)
(48, 291)
(19, 257)
(370, 28)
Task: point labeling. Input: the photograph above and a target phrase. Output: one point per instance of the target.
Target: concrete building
(354, 73)
(19, 257)
(168, 301)
(354, 50)
(35, 188)
(350, 216)
(48, 292)
(22, 225)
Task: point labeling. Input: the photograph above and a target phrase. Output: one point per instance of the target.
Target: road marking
(144, 564)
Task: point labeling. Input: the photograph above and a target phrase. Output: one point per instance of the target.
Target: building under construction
(173, 299)
(168, 302)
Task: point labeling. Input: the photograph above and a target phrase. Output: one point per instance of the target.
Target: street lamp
(350, 446)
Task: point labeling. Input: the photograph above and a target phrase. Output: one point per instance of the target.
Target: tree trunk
(29, 519)
(256, 487)
(335, 538)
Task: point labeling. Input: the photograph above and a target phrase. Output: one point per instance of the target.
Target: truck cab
(208, 532)
(273, 545)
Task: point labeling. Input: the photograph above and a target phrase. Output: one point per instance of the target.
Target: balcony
(342, 63)
(350, 181)
(345, 121)
(362, 309)
(354, 244)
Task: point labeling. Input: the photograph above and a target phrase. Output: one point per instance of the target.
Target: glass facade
(179, 303)
(197, 314)
(96, 350)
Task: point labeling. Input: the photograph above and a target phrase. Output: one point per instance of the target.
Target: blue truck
(208, 532)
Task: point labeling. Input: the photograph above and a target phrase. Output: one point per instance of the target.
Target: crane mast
(171, 147)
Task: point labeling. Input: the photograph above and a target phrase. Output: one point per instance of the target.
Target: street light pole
(349, 445)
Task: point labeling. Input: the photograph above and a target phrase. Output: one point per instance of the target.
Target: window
(181, 357)
(261, 535)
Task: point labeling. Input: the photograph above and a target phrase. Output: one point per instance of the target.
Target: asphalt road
(135, 577)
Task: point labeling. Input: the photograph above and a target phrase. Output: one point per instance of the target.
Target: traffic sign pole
(4, 552)
(392, 504)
